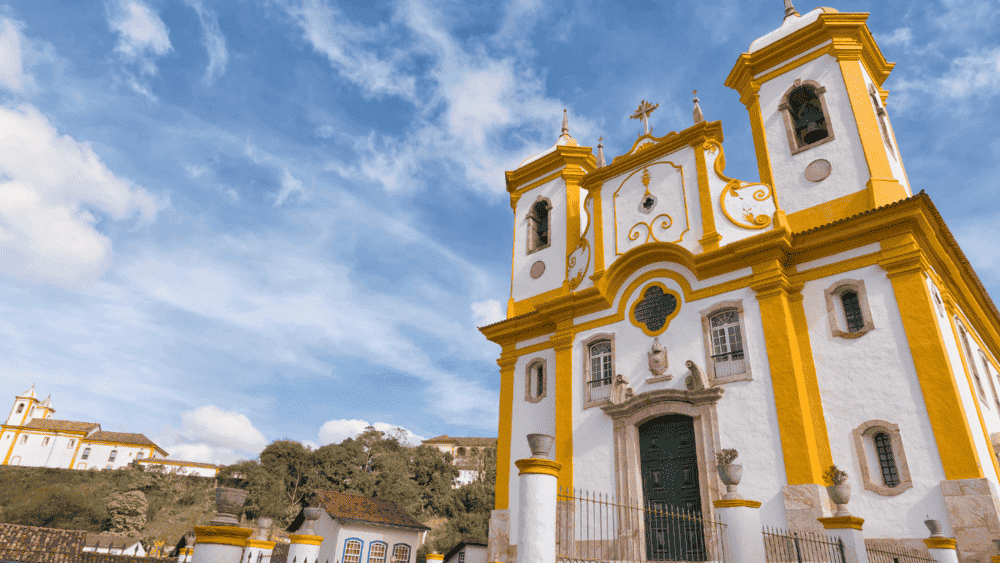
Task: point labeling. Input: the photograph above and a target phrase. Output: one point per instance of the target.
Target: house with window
(468, 453)
(360, 529)
(467, 551)
(661, 311)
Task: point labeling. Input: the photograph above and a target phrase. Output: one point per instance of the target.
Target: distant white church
(32, 438)
(661, 311)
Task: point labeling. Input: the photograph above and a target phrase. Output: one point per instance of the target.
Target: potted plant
(729, 472)
(838, 488)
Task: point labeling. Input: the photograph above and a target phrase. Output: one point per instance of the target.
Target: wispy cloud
(142, 38)
(336, 431)
(214, 40)
(289, 185)
(11, 69)
(212, 435)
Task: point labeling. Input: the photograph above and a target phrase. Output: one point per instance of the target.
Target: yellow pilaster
(598, 227)
(572, 179)
(882, 187)
(507, 361)
(563, 344)
(13, 442)
(799, 442)
(905, 266)
(710, 237)
(812, 382)
(752, 102)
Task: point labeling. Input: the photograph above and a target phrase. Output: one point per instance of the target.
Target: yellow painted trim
(670, 317)
(760, 140)
(435, 557)
(995, 558)
(72, 461)
(538, 466)
(813, 395)
(829, 211)
(945, 543)
(788, 378)
(13, 442)
(563, 341)
(527, 304)
(952, 434)
(796, 63)
(842, 523)
(598, 219)
(710, 237)
(505, 421)
(736, 502)
(572, 219)
(305, 539)
(540, 182)
(261, 544)
(222, 535)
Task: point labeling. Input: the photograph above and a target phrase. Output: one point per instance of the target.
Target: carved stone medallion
(818, 170)
(537, 269)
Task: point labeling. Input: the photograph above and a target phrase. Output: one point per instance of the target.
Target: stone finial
(600, 153)
(790, 9)
(541, 445)
(228, 503)
(311, 515)
(698, 116)
(264, 526)
(564, 137)
(565, 127)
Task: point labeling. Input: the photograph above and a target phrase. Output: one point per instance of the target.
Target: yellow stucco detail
(507, 362)
(224, 535)
(598, 221)
(670, 317)
(799, 443)
(563, 341)
(905, 266)
(811, 381)
(760, 138)
(946, 543)
(710, 237)
(76, 451)
(736, 502)
(842, 523)
(10, 450)
(261, 544)
(538, 466)
(830, 211)
(305, 539)
(435, 557)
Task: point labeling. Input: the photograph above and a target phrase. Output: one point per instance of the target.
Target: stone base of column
(304, 548)
(219, 544)
(499, 538)
(804, 505)
(847, 529)
(974, 511)
(943, 550)
(742, 540)
(258, 551)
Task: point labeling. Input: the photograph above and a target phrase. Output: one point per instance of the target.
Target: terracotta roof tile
(64, 425)
(365, 509)
(31, 544)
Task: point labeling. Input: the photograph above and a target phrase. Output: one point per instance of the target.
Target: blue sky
(225, 223)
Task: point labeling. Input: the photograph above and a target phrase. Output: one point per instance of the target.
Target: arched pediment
(640, 257)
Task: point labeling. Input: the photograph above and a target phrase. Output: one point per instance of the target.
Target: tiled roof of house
(94, 557)
(123, 438)
(362, 508)
(62, 425)
(30, 544)
(470, 441)
(179, 463)
(105, 540)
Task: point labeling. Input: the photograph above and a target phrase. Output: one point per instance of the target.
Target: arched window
(534, 380)
(376, 552)
(45, 441)
(352, 551)
(806, 116)
(85, 454)
(20, 408)
(538, 225)
(989, 376)
(600, 356)
(971, 361)
(852, 311)
(400, 553)
(883, 447)
(112, 455)
(847, 307)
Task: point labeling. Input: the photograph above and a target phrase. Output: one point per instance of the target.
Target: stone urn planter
(731, 475)
(264, 526)
(311, 515)
(541, 445)
(228, 503)
(840, 495)
(935, 528)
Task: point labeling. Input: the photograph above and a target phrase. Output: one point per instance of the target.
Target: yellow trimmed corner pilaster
(905, 265)
(594, 191)
(710, 237)
(563, 344)
(882, 187)
(752, 102)
(538, 466)
(842, 523)
(733, 502)
(12, 444)
(812, 382)
(222, 535)
(305, 539)
(799, 440)
(261, 544)
(434, 557)
(945, 543)
(507, 362)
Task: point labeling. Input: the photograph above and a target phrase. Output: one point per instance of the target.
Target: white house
(114, 545)
(179, 467)
(467, 552)
(358, 529)
(661, 311)
(466, 455)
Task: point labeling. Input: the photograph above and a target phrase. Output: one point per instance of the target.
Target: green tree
(127, 512)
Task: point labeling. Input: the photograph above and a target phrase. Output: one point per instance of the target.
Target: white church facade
(661, 311)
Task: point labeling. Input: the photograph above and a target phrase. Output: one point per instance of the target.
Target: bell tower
(813, 89)
(20, 413)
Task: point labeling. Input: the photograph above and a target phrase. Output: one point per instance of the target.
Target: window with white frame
(400, 553)
(880, 452)
(376, 552)
(725, 337)
(534, 380)
(847, 309)
(598, 368)
(85, 454)
(971, 361)
(352, 551)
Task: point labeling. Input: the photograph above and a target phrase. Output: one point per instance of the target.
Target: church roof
(361, 508)
(791, 24)
(31, 544)
(62, 425)
(122, 438)
(29, 394)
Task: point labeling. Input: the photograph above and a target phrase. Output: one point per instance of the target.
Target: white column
(536, 526)
(742, 539)
(944, 550)
(848, 530)
(304, 548)
(219, 544)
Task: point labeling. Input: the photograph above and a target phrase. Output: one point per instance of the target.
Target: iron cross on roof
(645, 108)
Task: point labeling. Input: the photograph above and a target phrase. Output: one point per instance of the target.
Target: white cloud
(487, 312)
(53, 191)
(336, 431)
(11, 70)
(211, 424)
(142, 38)
(194, 172)
(975, 75)
(289, 186)
(215, 42)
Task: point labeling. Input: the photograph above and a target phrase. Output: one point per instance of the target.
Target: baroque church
(661, 311)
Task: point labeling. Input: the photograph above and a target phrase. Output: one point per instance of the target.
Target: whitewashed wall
(554, 256)
(335, 536)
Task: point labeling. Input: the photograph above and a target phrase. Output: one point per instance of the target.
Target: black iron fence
(885, 552)
(783, 546)
(595, 527)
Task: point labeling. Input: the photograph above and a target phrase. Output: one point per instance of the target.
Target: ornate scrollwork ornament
(747, 205)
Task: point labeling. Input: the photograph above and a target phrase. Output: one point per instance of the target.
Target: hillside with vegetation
(161, 506)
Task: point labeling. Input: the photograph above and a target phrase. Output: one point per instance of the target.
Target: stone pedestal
(848, 530)
(185, 554)
(536, 529)
(304, 548)
(974, 511)
(741, 535)
(219, 544)
(943, 550)
(258, 551)
(499, 539)
(805, 504)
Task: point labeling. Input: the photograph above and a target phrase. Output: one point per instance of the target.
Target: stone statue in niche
(620, 391)
(657, 358)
